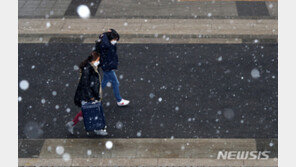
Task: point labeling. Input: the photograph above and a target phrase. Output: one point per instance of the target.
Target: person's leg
(115, 85)
(105, 79)
(70, 125)
(77, 118)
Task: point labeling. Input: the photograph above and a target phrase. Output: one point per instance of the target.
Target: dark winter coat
(89, 85)
(109, 58)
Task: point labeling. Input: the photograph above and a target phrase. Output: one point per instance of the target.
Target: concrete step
(149, 39)
(149, 26)
(146, 152)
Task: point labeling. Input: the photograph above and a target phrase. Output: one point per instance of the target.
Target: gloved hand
(83, 102)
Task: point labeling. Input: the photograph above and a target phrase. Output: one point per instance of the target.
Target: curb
(146, 162)
(150, 38)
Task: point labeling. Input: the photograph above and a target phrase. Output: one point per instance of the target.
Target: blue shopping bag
(93, 116)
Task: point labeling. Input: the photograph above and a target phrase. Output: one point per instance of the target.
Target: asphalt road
(176, 90)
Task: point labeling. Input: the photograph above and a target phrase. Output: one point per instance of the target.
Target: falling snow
(108, 104)
(80, 118)
(54, 93)
(109, 84)
(89, 152)
(68, 110)
(119, 125)
(182, 147)
(219, 58)
(33, 130)
(219, 112)
(109, 145)
(66, 157)
(83, 11)
(160, 99)
(228, 113)
(139, 134)
(60, 150)
(255, 73)
(151, 95)
(24, 84)
(76, 67)
(48, 24)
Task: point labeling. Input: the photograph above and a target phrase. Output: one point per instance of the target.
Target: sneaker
(70, 127)
(123, 103)
(101, 132)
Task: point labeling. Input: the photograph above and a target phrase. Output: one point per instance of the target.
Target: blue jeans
(110, 76)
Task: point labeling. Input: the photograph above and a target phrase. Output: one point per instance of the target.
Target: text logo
(237, 155)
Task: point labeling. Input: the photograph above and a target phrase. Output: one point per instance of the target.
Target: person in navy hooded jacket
(106, 45)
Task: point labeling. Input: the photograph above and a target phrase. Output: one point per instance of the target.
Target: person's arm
(116, 59)
(105, 43)
(86, 84)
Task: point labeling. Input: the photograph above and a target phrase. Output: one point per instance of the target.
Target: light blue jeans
(110, 76)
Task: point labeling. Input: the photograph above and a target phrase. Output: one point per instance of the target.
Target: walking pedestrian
(107, 47)
(88, 88)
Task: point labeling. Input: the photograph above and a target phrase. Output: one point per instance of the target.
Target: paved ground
(149, 9)
(184, 91)
(142, 152)
(201, 76)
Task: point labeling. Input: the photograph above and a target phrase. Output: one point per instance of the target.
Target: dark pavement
(184, 91)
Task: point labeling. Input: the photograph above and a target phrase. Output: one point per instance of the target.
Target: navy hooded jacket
(89, 85)
(109, 58)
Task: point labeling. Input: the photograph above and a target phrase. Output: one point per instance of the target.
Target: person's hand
(96, 101)
(83, 102)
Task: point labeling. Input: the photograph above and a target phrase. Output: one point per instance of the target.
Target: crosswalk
(182, 9)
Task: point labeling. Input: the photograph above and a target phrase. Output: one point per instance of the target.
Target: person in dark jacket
(109, 62)
(88, 89)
